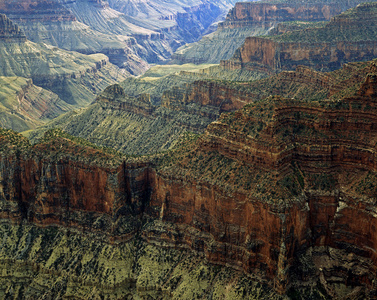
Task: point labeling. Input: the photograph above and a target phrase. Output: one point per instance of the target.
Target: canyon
(65, 79)
(255, 179)
(130, 34)
(281, 189)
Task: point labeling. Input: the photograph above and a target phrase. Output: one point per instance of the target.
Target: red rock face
(206, 94)
(270, 56)
(268, 14)
(307, 213)
(265, 238)
(326, 48)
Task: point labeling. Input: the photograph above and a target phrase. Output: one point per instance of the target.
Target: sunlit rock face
(325, 47)
(281, 189)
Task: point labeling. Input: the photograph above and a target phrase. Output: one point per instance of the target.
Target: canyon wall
(9, 31)
(281, 189)
(269, 13)
(271, 56)
(325, 47)
(259, 18)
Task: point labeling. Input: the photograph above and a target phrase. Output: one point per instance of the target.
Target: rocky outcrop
(259, 18)
(342, 40)
(268, 13)
(10, 32)
(282, 189)
(211, 94)
(270, 56)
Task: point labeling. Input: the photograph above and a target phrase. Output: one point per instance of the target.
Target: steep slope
(146, 115)
(74, 77)
(52, 23)
(129, 33)
(257, 18)
(24, 106)
(347, 37)
(282, 190)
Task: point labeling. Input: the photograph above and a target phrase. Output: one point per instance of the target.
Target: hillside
(74, 77)
(24, 106)
(148, 114)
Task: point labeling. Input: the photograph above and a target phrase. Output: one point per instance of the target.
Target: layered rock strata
(257, 18)
(10, 32)
(325, 48)
(281, 189)
(75, 77)
(24, 106)
(269, 13)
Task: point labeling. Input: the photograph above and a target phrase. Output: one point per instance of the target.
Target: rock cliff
(9, 31)
(327, 47)
(282, 189)
(276, 186)
(268, 13)
(257, 18)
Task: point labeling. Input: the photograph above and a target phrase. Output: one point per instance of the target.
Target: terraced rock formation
(74, 77)
(282, 189)
(257, 18)
(347, 37)
(51, 22)
(131, 34)
(145, 115)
